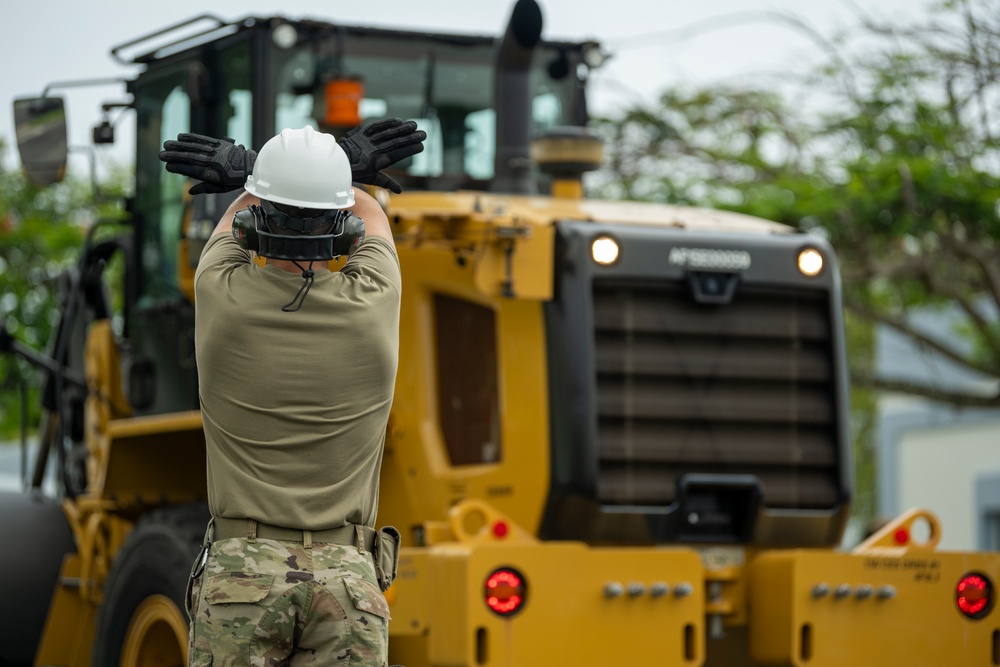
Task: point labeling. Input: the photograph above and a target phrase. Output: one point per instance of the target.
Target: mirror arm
(81, 83)
(93, 167)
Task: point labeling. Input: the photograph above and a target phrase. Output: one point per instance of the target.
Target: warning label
(927, 570)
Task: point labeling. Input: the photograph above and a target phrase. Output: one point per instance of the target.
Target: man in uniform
(296, 371)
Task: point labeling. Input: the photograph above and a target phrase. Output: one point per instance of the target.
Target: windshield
(447, 88)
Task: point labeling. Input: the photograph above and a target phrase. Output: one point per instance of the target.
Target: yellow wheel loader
(620, 430)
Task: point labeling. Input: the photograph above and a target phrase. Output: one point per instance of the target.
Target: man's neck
(290, 267)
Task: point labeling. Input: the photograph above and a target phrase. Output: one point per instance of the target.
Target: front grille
(741, 388)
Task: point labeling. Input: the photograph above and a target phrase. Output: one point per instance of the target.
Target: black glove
(220, 164)
(223, 166)
(380, 145)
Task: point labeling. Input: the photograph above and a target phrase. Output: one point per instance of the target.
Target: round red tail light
(974, 595)
(505, 591)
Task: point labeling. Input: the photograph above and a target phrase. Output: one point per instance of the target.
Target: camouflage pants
(265, 603)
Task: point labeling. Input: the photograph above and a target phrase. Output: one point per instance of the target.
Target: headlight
(604, 250)
(284, 36)
(810, 262)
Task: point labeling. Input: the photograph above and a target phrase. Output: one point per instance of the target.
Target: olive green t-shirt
(295, 404)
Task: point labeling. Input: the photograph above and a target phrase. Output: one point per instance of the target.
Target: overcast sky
(46, 41)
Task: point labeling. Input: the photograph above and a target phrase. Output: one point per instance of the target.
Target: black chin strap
(308, 275)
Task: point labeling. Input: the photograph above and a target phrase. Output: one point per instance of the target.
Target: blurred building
(932, 455)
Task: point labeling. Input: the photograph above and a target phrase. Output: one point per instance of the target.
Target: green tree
(890, 150)
(41, 236)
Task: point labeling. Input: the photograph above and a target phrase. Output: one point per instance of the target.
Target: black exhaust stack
(512, 99)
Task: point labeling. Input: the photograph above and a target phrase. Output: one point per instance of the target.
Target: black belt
(249, 529)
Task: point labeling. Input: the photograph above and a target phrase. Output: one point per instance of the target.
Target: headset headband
(278, 218)
(252, 230)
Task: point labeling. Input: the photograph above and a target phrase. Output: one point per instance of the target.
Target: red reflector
(974, 595)
(902, 536)
(505, 591)
(500, 529)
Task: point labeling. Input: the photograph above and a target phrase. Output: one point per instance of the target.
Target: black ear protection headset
(252, 229)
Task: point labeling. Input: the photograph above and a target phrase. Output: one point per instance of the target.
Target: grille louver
(741, 388)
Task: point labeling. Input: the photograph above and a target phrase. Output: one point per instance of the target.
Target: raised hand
(223, 166)
(220, 164)
(380, 145)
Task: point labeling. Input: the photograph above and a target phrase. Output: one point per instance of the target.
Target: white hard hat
(303, 168)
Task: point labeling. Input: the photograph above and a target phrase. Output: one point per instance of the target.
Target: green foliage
(890, 151)
(41, 234)
(861, 341)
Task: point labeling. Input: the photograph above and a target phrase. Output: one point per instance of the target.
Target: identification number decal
(925, 570)
(710, 258)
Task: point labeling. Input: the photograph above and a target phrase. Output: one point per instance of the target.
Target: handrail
(145, 38)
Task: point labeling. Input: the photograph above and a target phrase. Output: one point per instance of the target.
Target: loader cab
(250, 79)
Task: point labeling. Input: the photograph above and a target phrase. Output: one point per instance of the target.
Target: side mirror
(40, 126)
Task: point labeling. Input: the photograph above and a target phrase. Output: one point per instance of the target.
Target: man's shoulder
(221, 258)
(382, 245)
(221, 251)
(223, 248)
(375, 258)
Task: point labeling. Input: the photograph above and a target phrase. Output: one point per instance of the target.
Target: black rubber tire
(37, 538)
(155, 559)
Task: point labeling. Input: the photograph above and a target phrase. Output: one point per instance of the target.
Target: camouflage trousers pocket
(261, 603)
(386, 556)
(229, 587)
(367, 625)
(366, 596)
(226, 612)
(343, 621)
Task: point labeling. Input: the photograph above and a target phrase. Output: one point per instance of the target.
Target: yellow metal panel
(519, 265)
(507, 244)
(919, 624)
(566, 619)
(155, 424)
(772, 641)
(105, 399)
(156, 459)
(409, 595)
(415, 207)
(450, 600)
(69, 627)
(413, 647)
(185, 271)
(567, 188)
(418, 481)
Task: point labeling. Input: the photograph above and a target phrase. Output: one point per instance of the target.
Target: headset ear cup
(245, 226)
(354, 231)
